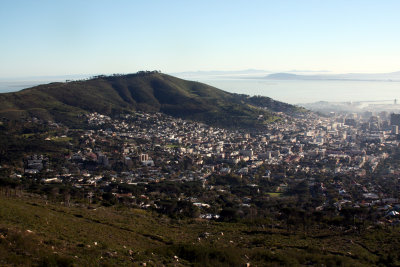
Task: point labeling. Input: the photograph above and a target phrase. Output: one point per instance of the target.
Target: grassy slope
(147, 92)
(66, 235)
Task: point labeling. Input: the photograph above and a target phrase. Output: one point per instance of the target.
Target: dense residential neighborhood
(339, 161)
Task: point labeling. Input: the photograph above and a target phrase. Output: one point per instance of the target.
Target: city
(337, 162)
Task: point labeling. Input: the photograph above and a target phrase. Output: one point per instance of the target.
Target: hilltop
(144, 91)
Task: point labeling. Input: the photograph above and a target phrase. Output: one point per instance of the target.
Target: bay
(308, 91)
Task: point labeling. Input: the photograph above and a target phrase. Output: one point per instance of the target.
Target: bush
(202, 255)
(56, 261)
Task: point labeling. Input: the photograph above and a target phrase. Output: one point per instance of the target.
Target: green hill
(145, 91)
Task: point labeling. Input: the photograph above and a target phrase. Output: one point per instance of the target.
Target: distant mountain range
(393, 76)
(144, 91)
(289, 75)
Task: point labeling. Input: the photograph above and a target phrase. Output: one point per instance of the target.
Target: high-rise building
(395, 129)
(351, 122)
(395, 119)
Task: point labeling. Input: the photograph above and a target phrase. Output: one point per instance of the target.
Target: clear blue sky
(93, 36)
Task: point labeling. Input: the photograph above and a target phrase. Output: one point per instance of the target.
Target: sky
(69, 37)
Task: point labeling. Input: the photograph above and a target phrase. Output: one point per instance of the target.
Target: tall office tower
(395, 119)
(395, 129)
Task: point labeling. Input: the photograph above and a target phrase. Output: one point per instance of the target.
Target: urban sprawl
(337, 161)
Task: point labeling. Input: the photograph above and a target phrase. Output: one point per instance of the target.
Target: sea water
(308, 91)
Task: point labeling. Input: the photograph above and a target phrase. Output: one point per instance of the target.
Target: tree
(229, 214)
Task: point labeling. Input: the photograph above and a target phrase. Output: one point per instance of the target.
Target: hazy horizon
(250, 72)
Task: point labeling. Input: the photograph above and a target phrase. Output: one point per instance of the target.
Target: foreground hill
(35, 232)
(145, 91)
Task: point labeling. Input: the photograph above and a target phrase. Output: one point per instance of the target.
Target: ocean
(13, 86)
(308, 91)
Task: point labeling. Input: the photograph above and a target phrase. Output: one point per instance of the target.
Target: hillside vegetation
(144, 91)
(34, 231)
